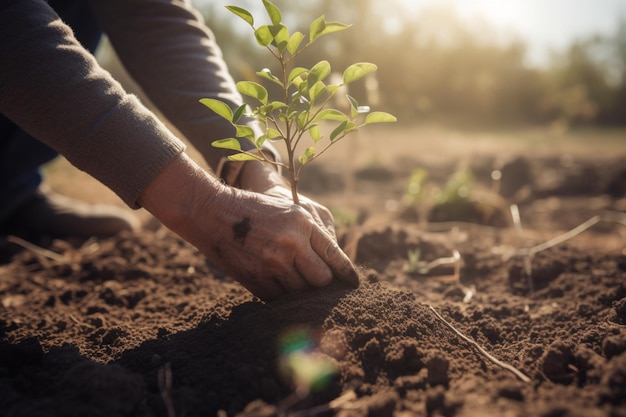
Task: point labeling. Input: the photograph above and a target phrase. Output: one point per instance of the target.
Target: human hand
(268, 244)
(263, 178)
(272, 246)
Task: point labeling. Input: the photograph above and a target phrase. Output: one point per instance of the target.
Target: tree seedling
(305, 97)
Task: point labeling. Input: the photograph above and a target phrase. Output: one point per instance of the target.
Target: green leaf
(333, 88)
(317, 89)
(380, 117)
(309, 152)
(239, 112)
(260, 141)
(267, 74)
(243, 157)
(302, 159)
(295, 73)
(261, 113)
(321, 27)
(276, 105)
(218, 107)
(273, 134)
(338, 130)
(303, 118)
(273, 12)
(254, 90)
(331, 114)
(318, 72)
(263, 35)
(334, 27)
(303, 90)
(281, 36)
(242, 13)
(314, 131)
(343, 129)
(294, 42)
(297, 81)
(229, 143)
(243, 131)
(358, 70)
(316, 28)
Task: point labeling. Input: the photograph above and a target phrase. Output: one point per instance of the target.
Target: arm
(54, 89)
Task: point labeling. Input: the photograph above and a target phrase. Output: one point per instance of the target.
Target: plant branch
(314, 157)
(298, 52)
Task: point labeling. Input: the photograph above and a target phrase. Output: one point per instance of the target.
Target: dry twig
(606, 216)
(482, 350)
(338, 403)
(37, 250)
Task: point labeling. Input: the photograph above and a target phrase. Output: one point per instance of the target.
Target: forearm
(55, 90)
(179, 192)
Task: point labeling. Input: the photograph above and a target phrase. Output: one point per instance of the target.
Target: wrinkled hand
(321, 215)
(267, 243)
(263, 178)
(272, 246)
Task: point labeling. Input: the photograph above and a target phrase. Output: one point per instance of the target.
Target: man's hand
(263, 178)
(268, 244)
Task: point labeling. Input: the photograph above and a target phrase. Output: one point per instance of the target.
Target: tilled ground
(141, 325)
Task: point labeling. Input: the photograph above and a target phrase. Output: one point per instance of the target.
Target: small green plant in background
(304, 102)
(457, 188)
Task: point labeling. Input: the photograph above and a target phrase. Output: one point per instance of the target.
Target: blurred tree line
(438, 66)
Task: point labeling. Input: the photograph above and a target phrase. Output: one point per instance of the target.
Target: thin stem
(291, 168)
(298, 52)
(263, 158)
(287, 134)
(317, 154)
(319, 109)
(38, 250)
(496, 361)
(562, 238)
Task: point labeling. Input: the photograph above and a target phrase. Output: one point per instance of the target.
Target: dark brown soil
(141, 325)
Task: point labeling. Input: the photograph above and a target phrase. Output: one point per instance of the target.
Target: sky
(543, 24)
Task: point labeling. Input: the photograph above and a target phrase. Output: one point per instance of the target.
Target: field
(459, 311)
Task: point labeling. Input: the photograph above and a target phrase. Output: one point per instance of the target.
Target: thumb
(338, 262)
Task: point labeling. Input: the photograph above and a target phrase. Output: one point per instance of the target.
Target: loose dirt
(141, 325)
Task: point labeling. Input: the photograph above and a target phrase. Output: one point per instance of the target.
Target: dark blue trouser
(21, 155)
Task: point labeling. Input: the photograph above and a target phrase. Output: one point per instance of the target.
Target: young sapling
(304, 103)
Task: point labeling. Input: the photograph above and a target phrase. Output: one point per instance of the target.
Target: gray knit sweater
(55, 90)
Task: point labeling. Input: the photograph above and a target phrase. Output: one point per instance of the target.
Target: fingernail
(351, 277)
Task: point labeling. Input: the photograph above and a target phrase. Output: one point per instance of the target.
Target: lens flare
(302, 363)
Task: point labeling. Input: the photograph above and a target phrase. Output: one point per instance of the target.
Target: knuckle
(331, 249)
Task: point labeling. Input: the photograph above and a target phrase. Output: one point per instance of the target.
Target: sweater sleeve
(53, 88)
(167, 49)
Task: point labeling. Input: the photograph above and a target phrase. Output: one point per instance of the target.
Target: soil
(141, 325)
